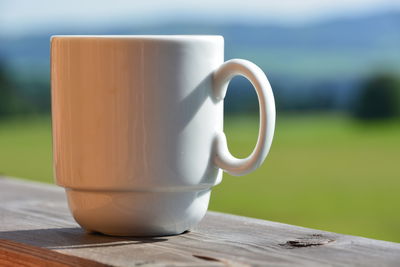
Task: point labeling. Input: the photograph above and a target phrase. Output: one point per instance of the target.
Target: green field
(324, 172)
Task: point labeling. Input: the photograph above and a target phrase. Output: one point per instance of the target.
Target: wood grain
(37, 215)
(18, 254)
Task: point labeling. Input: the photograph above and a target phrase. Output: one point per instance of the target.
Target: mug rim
(163, 37)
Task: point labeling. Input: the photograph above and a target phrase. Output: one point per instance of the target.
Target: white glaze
(138, 128)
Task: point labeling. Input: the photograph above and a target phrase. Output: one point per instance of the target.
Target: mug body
(134, 121)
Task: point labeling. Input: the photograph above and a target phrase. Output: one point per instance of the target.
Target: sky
(26, 16)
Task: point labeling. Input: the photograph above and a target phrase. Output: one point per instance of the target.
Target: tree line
(377, 98)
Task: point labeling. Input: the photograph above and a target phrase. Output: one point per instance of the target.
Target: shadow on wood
(69, 238)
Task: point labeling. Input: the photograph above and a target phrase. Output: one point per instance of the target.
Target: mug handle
(221, 78)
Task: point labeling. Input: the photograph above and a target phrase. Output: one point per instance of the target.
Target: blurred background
(335, 70)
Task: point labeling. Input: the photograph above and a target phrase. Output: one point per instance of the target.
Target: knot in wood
(308, 241)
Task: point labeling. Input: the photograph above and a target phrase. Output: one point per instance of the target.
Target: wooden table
(36, 229)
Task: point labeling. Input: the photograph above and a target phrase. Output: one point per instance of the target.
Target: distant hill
(329, 57)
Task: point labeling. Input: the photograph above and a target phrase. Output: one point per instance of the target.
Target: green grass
(25, 148)
(323, 172)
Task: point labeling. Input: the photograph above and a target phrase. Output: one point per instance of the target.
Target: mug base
(133, 213)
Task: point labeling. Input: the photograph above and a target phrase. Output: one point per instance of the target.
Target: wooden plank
(37, 215)
(17, 254)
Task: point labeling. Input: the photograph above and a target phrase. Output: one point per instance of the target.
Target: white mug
(138, 136)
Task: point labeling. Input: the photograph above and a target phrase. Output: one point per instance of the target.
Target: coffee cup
(138, 137)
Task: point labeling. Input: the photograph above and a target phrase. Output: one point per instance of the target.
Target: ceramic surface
(138, 136)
